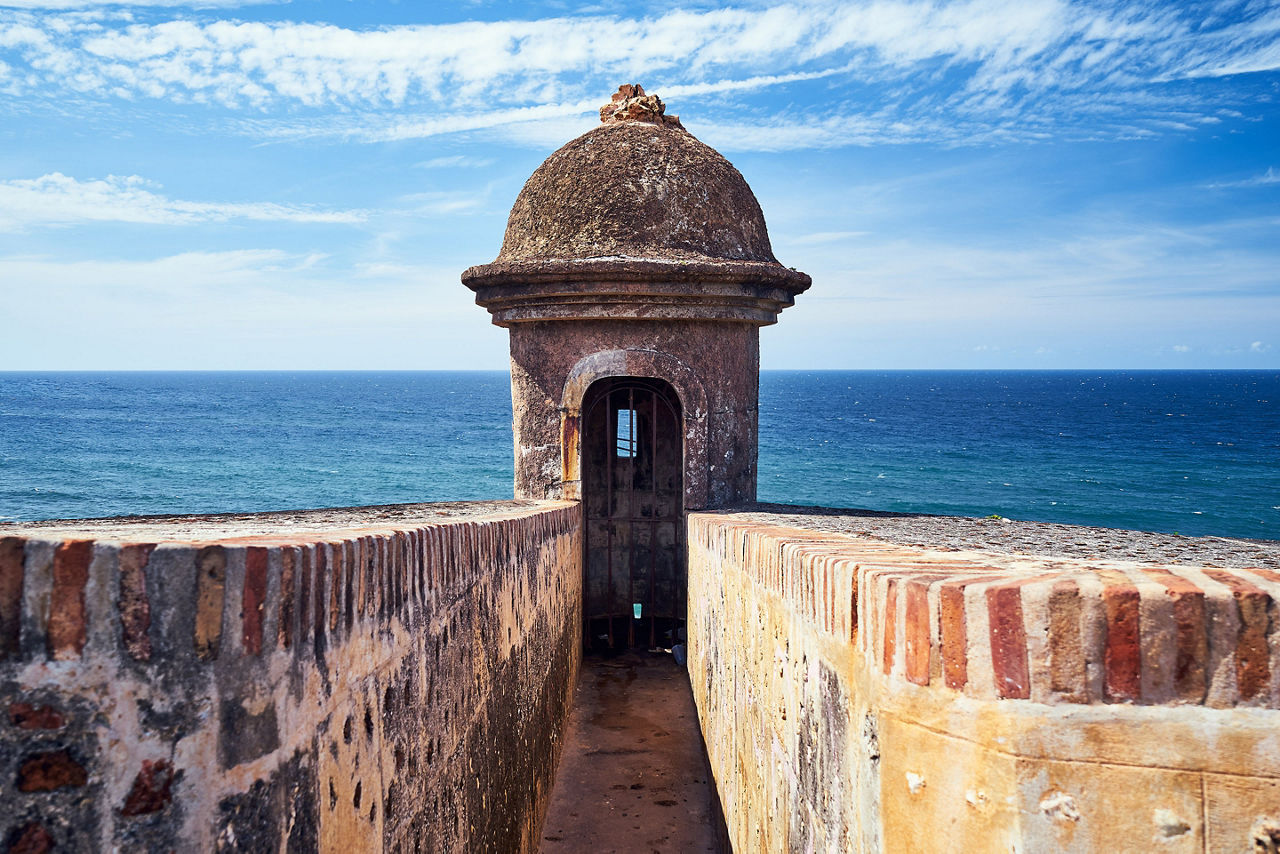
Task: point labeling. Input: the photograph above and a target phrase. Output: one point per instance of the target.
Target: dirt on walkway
(633, 776)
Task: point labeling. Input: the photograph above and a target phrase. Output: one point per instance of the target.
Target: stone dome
(636, 200)
(636, 189)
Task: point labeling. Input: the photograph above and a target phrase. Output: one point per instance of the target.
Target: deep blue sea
(1193, 452)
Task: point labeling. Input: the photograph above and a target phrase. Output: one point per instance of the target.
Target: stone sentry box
(636, 250)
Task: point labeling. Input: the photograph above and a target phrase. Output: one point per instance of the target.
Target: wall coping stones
(285, 526)
(1001, 626)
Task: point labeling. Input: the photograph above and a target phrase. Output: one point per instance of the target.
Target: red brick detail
(66, 604)
(349, 552)
(1123, 656)
(317, 591)
(1008, 643)
(362, 569)
(152, 789)
(919, 639)
(287, 556)
(11, 575)
(254, 603)
(953, 637)
(335, 587)
(54, 769)
(890, 624)
(367, 572)
(304, 597)
(1268, 574)
(853, 610)
(1192, 642)
(27, 716)
(31, 838)
(1253, 665)
(135, 606)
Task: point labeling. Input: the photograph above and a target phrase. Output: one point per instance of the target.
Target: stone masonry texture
(636, 250)
(375, 679)
(858, 694)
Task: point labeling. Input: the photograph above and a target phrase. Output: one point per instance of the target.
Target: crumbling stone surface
(631, 104)
(305, 681)
(49, 770)
(30, 838)
(636, 250)
(28, 716)
(152, 789)
(1006, 701)
(1016, 536)
(637, 186)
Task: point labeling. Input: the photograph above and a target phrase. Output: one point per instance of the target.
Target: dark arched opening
(634, 574)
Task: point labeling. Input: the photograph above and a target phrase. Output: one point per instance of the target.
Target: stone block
(1242, 813)
(1089, 807)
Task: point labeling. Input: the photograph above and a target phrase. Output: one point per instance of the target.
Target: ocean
(1190, 452)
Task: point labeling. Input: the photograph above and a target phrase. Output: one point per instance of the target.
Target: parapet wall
(859, 695)
(351, 680)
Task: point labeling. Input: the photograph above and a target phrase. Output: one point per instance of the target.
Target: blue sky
(1027, 184)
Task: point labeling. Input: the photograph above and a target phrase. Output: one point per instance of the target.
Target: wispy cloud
(60, 200)
(899, 70)
(57, 5)
(456, 161)
(439, 203)
(825, 237)
(1271, 176)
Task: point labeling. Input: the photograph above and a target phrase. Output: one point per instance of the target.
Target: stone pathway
(633, 776)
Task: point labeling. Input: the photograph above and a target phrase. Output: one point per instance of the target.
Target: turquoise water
(1191, 452)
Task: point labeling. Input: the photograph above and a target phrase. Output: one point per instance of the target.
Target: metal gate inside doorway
(634, 587)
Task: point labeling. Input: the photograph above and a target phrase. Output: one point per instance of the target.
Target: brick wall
(858, 695)
(396, 687)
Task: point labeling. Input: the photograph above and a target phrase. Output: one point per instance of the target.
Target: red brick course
(1123, 657)
(1100, 621)
(50, 770)
(1257, 612)
(255, 599)
(135, 606)
(67, 630)
(12, 551)
(1008, 642)
(151, 790)
(27, 716)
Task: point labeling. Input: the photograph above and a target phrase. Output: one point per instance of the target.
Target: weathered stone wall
(355, 686)
(857, 695)
(714, 369)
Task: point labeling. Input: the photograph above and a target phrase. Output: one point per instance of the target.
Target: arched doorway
(634, 584)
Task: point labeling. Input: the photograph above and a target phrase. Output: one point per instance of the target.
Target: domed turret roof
(637, 186)
(635, 218)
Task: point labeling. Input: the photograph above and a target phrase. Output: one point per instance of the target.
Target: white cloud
(1271, 176)
(90, 4)
(442, 203)
(1181, 348)
(966, 71)
(57, 199)
(1259, 347)
(825, 237)
(456, 161)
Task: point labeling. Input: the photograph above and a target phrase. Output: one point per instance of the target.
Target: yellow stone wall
(860, 696)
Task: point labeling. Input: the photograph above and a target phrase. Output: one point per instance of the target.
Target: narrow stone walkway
(633, 776)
